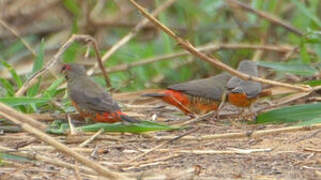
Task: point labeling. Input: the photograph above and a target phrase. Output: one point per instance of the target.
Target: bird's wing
(93, 100)
(212, 88)
(251, 88)
(233, 83)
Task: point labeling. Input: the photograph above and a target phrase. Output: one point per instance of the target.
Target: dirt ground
(292, 155)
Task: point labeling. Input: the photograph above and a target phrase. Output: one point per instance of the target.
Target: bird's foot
(249, 116)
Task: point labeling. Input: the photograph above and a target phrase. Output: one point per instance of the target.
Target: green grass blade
(304, 10)
(310, 122)
(144, 126)
(296, 113)
(52, 89)
(313, 82)
(7, 86)
(13, 73)
(15, 101)
(305, 56)
(37, 65)
(295, 68)
(14, 157)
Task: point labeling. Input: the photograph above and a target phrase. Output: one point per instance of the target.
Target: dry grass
(287, 155)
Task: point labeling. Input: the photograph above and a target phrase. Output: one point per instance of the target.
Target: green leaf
(8, 86)
(15, 101)
(33, 90)
(70, 54)
(13, 73)
(72, 6)
(14, 157)
(37, 65)
(290, 114)
(144, 126)
(304, 53)
(310, 122)
(304, 10)
(313, 82)
(295, 68)
(52, 89)
(141, 127)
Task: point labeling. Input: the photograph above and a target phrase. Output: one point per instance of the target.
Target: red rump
(177, 99)
(108, 117)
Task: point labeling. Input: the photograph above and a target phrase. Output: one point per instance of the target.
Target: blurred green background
(49, 24)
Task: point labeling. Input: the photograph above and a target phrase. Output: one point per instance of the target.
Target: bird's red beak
(65, 67)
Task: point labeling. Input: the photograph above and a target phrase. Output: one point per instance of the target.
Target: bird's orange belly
(240, 99)
(98, 117)
(189, 104)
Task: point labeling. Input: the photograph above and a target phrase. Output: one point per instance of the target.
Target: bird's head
(73, 70)
(65, 68)
(237, 90)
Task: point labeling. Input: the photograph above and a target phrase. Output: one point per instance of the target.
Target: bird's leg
(71, 126)
(251, 114)
(191, 115)
(222, 103)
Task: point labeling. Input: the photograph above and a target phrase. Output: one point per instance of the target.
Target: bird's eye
(66, 67)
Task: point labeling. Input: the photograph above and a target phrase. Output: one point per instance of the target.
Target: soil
(292, 155)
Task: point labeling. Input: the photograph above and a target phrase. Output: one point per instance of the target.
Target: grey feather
(251, 88)
(88, 94)
(212, 87)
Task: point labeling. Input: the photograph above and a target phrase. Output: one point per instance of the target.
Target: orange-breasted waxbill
(90, 99)
(197, 96)
(243, 93)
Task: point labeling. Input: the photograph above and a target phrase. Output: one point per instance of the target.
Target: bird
(90, 99)
(242, 93)
(197, 96)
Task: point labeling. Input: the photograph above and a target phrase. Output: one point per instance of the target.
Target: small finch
(90, 99)
(243, 93)
(197, 96)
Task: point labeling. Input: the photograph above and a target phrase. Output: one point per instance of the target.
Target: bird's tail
(124, 117)
(154, 95)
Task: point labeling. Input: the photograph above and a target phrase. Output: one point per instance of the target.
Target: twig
(5, 111)
(100, 63)
(15, 33)
(232, 151)
(312, 150)
(161, 145)
(53, 61)
(71, 126)
(197, 119)
(50, 148)
(187, 46)
(85, 143)
(51, 117)
(36, 156)
(24, 120)
(269, 17)
(251, 134)
(210, 47)
(161, 159)
(131, 34)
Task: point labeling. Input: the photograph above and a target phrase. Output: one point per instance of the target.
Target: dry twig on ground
(24, 121)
